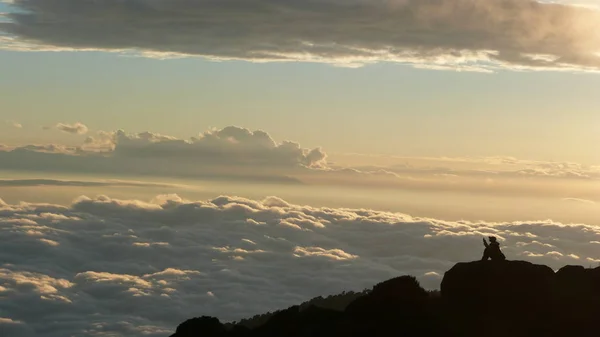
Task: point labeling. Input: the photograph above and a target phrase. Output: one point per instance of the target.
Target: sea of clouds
(107, 267)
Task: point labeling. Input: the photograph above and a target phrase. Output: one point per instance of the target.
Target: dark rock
(490, 298)
(577, 299)
(496, 282)
(395, 307)
(204, 326)
(389, 296)
(498, 293)
(293, 322)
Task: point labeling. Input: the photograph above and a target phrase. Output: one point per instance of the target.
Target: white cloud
(525, 244)
(37, 282)
(103, 277)
(50, 242)
(470, 35)
(76, 128)
(231, 144)
(210, 258)
(333, 254)
(172, 272)
(150, 244)
(230, 250)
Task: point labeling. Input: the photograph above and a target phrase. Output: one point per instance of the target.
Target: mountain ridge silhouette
(491, 298)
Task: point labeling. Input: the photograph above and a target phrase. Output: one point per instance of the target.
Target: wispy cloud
(578, 200)
(472, 35)
(15, 124)
(76, 128)
(78, 183)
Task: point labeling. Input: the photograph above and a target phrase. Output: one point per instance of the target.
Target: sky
(167, 158)
(385, 107)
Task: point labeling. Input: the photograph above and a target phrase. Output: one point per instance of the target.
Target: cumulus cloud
(138, 268)
(76, 128)
(232, 144)
(231, 152)
(441, 34)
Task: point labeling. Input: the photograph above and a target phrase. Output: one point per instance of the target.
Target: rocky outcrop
(200, 327)
(496, 282)
(481, 298)
(507, 298)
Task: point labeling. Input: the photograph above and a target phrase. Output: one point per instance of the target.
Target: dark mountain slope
(481, 298)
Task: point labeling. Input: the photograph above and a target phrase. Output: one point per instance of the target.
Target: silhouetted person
(492, 250)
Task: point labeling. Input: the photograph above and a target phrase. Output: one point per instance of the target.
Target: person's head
(492, 238)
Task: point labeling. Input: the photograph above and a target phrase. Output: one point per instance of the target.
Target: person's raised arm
(485, 243)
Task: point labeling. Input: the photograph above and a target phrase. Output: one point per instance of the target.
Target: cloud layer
(77, 183)
(103, 266)
(239, 154)
(458, 34)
